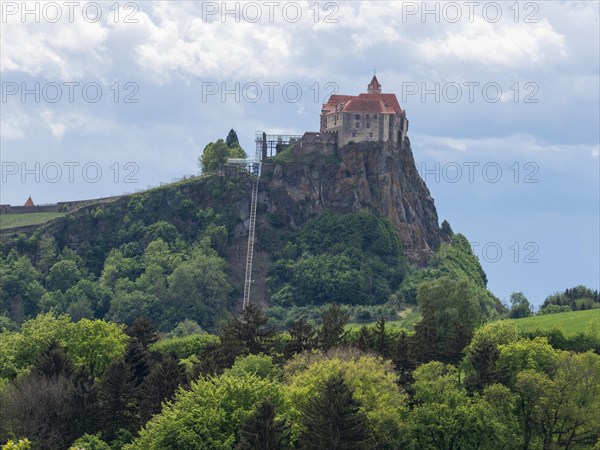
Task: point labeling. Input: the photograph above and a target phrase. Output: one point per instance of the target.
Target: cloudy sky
(101, 98)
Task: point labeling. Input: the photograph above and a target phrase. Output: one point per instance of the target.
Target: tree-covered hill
(176, 253)
(158, 254)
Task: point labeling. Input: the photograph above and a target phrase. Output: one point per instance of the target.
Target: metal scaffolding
(267, 145)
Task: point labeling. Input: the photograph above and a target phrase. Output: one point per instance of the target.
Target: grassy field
(570, 322)
(21, 220)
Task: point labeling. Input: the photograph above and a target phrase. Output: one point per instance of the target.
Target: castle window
(357, 117)
(374, 116)
(370, 134)
(357, 125)
(368, 125)
(353, 134)
(367, 116)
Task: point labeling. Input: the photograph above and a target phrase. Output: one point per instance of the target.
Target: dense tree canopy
(338, 258)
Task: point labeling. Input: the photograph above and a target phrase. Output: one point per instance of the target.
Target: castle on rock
(370, 116)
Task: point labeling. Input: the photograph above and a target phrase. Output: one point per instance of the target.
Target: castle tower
(374, 86)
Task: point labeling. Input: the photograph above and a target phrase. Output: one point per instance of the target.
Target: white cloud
(82, 123)
(12, 126)
(63, 50)
(498, 45)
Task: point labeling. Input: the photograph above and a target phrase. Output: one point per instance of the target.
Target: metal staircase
(250, 253)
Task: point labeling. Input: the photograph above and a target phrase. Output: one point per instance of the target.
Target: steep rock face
(373, 175)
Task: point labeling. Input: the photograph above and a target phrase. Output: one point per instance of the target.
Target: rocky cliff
(306, 179)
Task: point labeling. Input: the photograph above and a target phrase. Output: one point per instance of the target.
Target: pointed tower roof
(29, 202)
(374, 86)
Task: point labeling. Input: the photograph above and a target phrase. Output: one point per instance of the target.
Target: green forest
(121, 330)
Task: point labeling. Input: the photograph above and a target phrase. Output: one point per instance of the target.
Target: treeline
(455, 382)
(574, 299)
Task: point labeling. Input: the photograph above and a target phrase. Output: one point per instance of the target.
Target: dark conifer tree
(331, 331)
(447, 229)
(403, 358)
(144, 331)
(216, 357)
(333, 419)
(262, 431)
(363, 341)
(117, 400)
(52, 362)
(137, 358)
(426, 337)
(382, 341)
(84, 403)
(249, 330)
(483, 357)
(159, 386)
(303, 337)
(232, 139)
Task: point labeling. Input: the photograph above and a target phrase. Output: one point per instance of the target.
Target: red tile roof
(29, 202)
(366, 103)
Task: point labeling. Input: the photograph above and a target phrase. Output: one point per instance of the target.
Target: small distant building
(370, 116)
(29, 202)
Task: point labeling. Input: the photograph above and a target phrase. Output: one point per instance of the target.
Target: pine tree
(483, 357)
(381, 337)
(403, 359)
(214, 358)
(363, 341)
(160, 385)
(262, 432)
(447, 229)
(137, 358)
(144, 331)
(232, 140)
(84, 403)
(333, 419)
(303, 336)
(249, 330)
(53, 362)
(332, 329)
(426, 337)
(116, 398)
